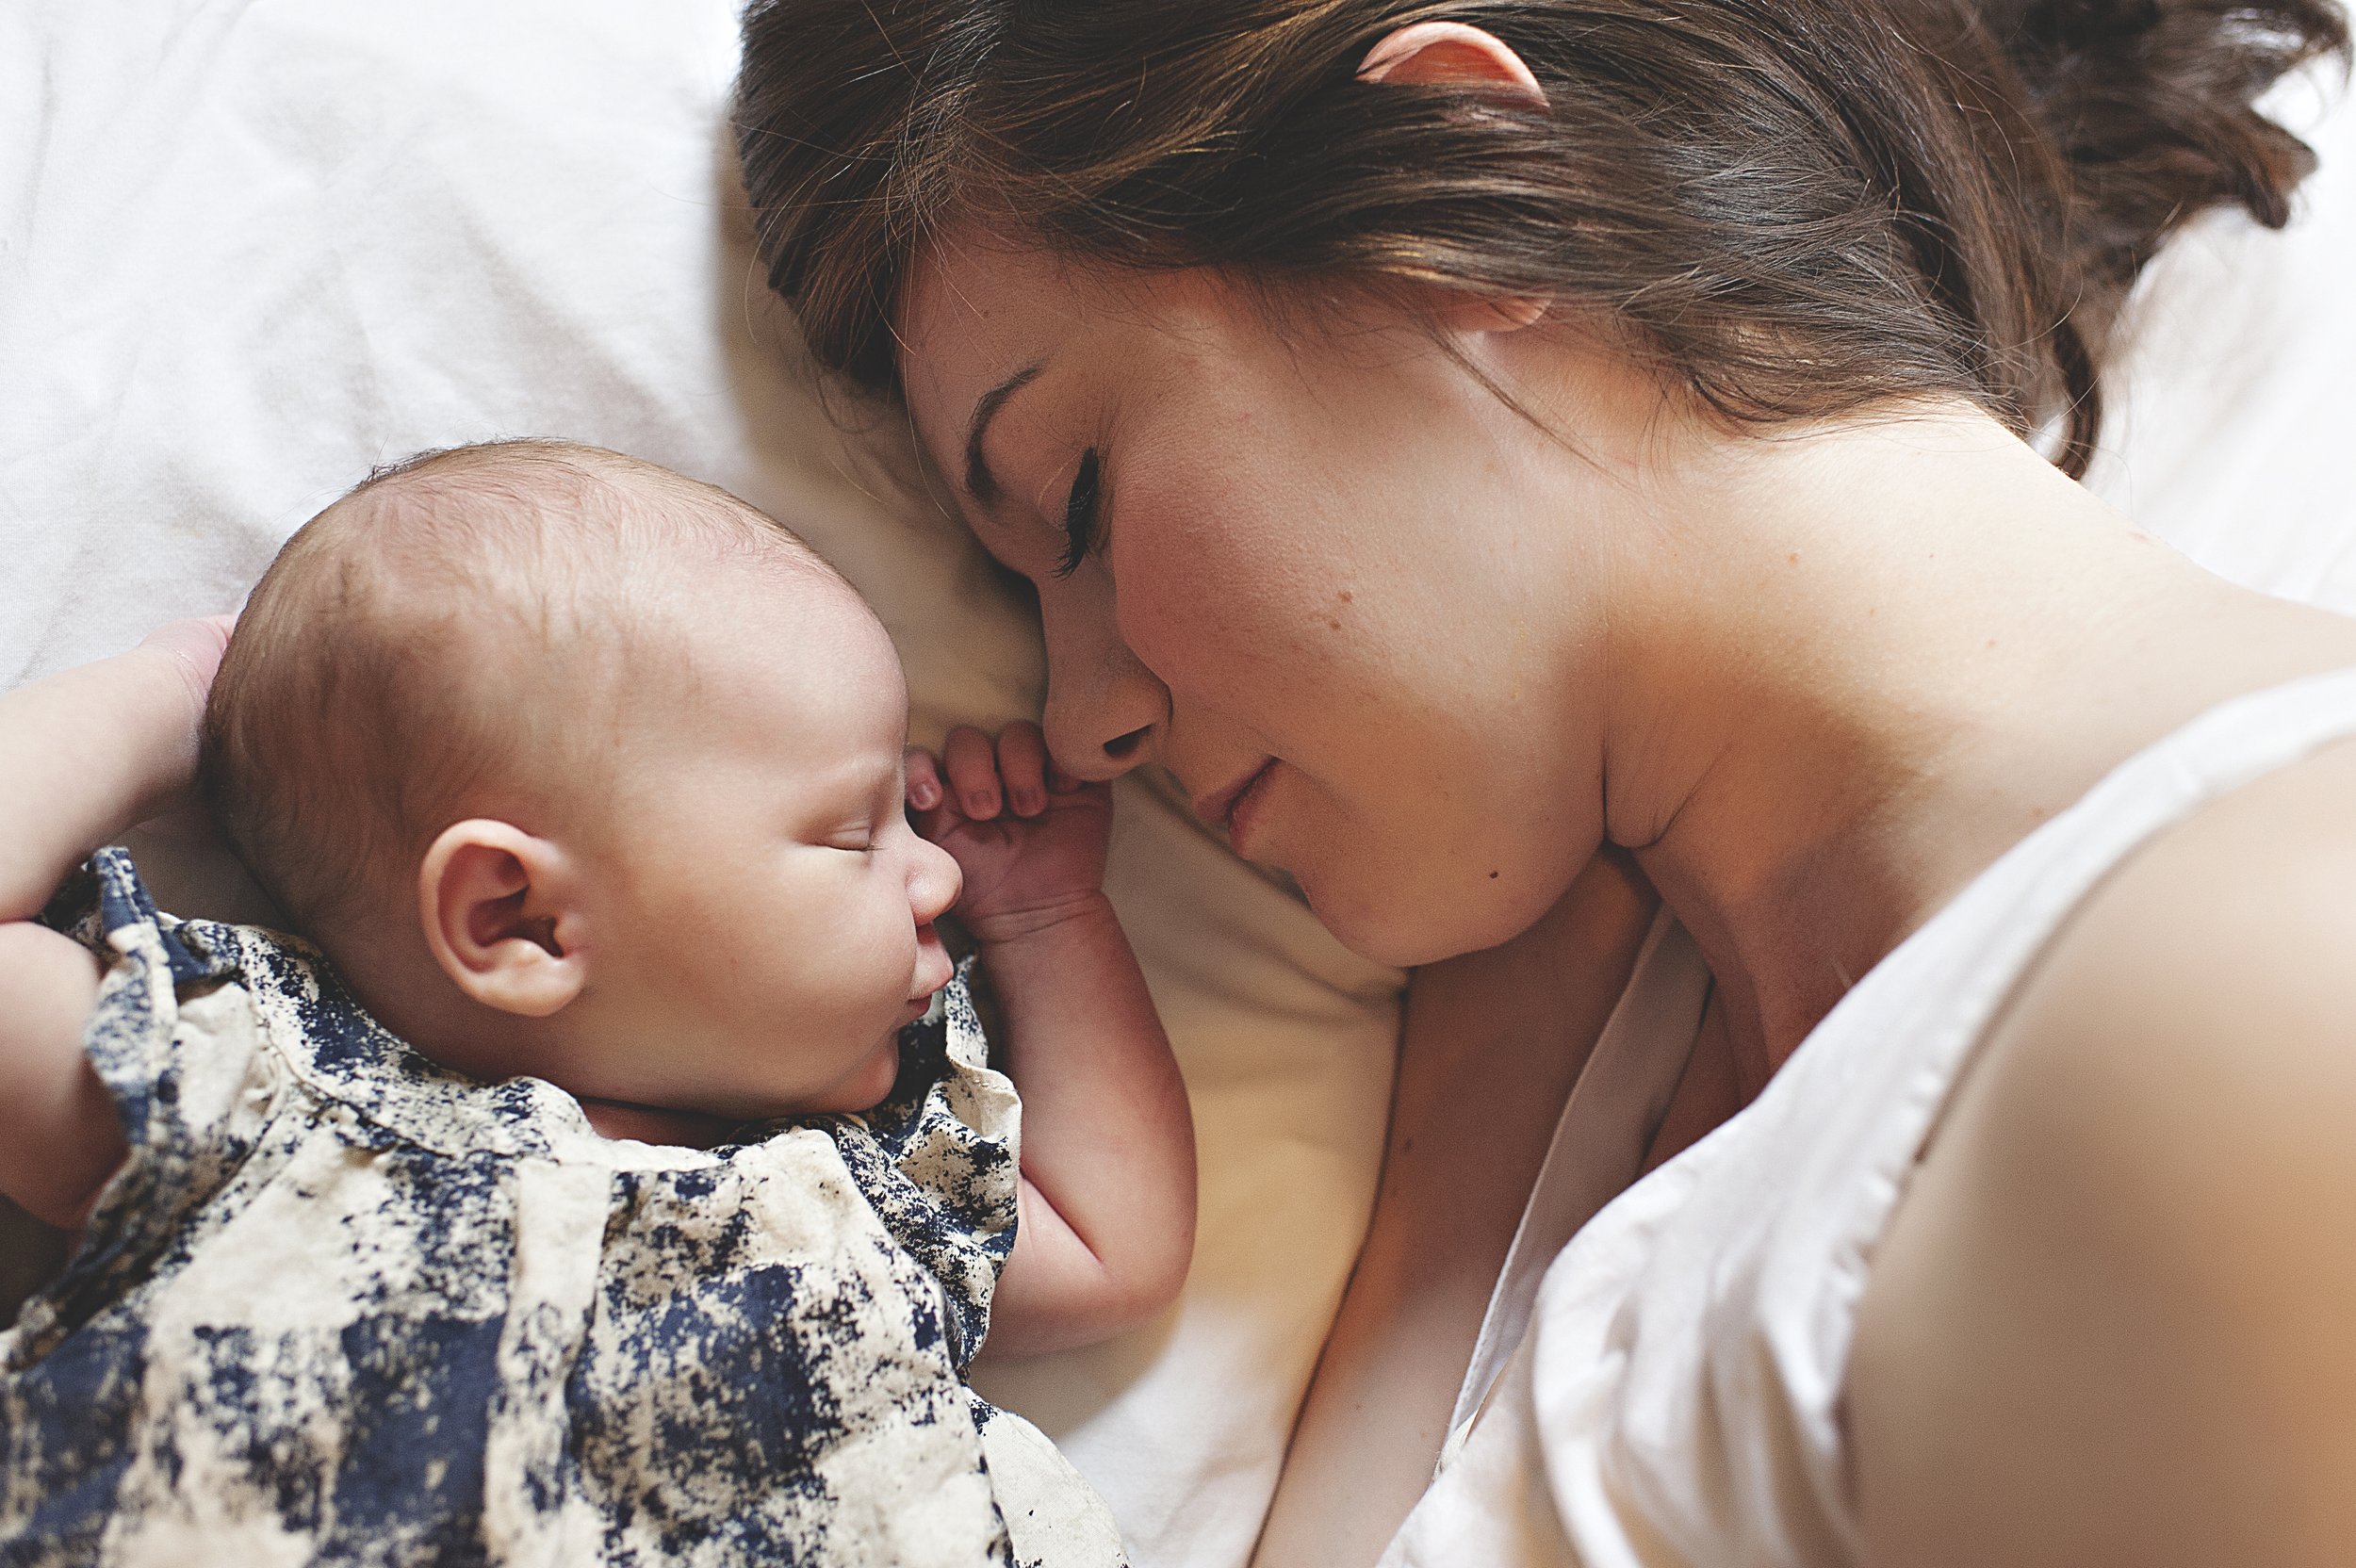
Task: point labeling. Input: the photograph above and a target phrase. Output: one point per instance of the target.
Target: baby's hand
(195, 648)
(197, 644)
(1030, 840)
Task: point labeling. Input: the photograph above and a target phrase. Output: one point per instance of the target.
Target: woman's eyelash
(1080, 516)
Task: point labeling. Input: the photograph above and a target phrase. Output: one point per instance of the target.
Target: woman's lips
(1234, 807)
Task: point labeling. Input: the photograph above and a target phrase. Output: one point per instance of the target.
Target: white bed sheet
(249, 248)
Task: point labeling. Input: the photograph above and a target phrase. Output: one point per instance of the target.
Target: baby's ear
(501, 913)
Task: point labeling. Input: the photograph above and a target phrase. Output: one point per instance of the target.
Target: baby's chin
(868, 1083)
(661, 1119)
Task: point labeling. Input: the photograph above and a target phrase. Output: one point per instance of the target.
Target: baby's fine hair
(453, 629)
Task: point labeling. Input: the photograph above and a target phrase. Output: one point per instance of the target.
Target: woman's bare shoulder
(2227, 943)
(2108, 1321)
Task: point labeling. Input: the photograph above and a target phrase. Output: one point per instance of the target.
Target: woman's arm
(83, 756)
(1491, 1046)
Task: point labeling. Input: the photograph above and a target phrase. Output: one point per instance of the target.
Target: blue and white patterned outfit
(340, 1304)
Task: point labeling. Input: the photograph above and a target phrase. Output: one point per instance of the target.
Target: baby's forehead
(633, 588)
(714, 625)
(784, 628)
(558, 537)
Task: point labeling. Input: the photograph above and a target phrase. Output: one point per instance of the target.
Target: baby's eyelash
(1080, 528)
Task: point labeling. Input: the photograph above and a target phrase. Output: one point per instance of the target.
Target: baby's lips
(935, 967)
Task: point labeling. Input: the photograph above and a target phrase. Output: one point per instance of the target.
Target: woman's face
(1343, 591)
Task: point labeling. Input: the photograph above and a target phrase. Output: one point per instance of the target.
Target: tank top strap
(1700, 1388)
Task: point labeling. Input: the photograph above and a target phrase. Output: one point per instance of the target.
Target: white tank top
(1676, 1398)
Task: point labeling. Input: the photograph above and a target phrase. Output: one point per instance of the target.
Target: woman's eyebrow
(980, 482)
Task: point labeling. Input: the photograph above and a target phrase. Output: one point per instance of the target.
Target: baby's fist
(196, 645)
(1029, 839)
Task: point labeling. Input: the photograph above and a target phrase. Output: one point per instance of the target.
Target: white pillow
(2232, 410)
(251, 249)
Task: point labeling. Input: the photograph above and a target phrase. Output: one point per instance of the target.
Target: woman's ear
(1426, 53)
(1429, 53)
(501, 913)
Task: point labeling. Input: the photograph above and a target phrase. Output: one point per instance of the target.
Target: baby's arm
(83, 756)
(1106, 1222)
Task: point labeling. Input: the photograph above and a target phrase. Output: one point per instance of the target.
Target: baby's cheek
(865, 958)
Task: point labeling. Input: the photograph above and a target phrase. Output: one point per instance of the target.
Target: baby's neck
(390, 969)
(652, 1124)
(406, 992)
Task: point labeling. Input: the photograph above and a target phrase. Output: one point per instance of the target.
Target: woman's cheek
(1164, 578)
(1229, 626)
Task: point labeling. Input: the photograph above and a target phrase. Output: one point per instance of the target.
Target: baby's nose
(934, 882)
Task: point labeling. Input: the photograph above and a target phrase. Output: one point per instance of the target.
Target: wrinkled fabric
(340, 1304)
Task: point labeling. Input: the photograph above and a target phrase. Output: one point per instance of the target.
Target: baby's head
(579, 768)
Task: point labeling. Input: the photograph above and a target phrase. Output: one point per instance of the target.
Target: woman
(1460, 439)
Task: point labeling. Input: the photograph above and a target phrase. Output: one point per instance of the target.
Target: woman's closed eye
(1081, 527)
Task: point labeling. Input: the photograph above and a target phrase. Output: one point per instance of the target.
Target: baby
(588, 781)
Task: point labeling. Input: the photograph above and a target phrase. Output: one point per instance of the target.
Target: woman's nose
(1105, 710)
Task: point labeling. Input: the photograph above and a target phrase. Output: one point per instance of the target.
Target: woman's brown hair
(1796, 207)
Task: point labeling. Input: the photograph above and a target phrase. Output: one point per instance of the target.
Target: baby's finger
(1023, 767)
(923, 779)
(972, 770)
